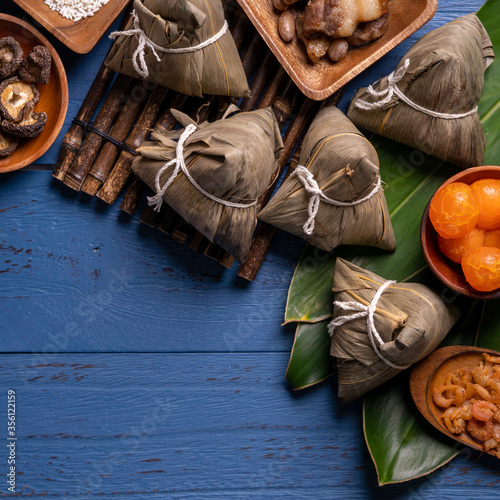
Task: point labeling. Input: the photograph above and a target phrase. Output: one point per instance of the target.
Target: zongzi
(380, 327)
(430, 101)
(183, 45)
(215, 173)
(334, 196)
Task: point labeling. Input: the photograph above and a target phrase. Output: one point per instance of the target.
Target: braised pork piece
(319, 23)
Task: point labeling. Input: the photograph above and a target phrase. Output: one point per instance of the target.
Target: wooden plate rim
(320, 94)
(95, 31)
(425, 370)
(64, 85)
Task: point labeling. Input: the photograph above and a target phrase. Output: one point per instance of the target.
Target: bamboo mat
(96, 157)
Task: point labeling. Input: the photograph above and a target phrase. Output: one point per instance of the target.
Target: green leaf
(408, 192)
(310, 361)
(403, 445)
(401, 442)
(310, 297)
(488, 335)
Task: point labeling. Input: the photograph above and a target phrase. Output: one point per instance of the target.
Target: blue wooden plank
(219, 425)
(79, 276)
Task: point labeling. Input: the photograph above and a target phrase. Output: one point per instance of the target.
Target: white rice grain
(75, 9)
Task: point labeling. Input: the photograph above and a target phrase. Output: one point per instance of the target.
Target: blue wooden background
(145, 370)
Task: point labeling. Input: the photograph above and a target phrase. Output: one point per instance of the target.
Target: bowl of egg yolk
(460, 232)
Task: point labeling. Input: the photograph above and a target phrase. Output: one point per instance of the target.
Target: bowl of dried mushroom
(33, 94)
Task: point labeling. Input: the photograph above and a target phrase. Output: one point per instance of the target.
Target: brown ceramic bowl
(53, 95)
(447, 271)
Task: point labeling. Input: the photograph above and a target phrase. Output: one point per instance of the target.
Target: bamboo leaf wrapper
(180, 24)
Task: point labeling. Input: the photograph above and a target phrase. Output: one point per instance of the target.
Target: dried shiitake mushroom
(8, 144)
(14, 96)
(30, 126)
(11, 55)
(35, 68)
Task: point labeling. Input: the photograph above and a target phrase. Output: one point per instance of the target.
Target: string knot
(385, 96)
(312, 187)
(156, 201)
(179, 164)
(143, 41)
(362, 311)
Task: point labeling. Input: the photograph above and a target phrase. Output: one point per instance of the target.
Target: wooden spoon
(431, 372)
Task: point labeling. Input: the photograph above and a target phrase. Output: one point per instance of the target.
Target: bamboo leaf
(489, 329)
(310, 361)
(310, 297)
(403, 445)
(409, 189)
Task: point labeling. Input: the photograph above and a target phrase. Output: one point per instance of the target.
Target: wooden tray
(431, 372)
(53, 95)
(82, 36)
(320, 80)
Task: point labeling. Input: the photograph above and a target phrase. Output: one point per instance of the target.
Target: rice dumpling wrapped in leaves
(430, 101)
(380, 327)
(183, 45)
(334, 196)
(215, 173)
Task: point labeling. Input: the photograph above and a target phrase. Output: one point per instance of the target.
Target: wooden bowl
(53, 95)
(82, 36)
(431, 372)
(320, 80)
(447, 271)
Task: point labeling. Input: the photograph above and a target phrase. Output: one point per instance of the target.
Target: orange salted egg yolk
(481, 267)
(455, 248)
(492, 238)
(488, 194)
(454, 210)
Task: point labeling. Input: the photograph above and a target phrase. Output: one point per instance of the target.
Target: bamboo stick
(151, 217)
(256, 86)
(165, 122)
(119, 131)
(110, 108)
(260, 78)
(72, 140)
(134, 194)
(122, 169)
(265, 234)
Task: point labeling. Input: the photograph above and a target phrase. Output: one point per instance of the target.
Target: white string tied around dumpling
(180, 165)
(144, 41)
(392, 88)
(312, 187)
(369, 313)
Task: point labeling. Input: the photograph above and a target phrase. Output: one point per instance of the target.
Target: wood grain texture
(67, 259)
(198, 426)
(432, 373)
(320, 80)
(53, 95)
(185, 397)
(82, 36)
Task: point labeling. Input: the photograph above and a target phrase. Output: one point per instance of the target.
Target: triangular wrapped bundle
(214, 175)
(334, 196)
(430, 101)
(183, 45)
(380, 327)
